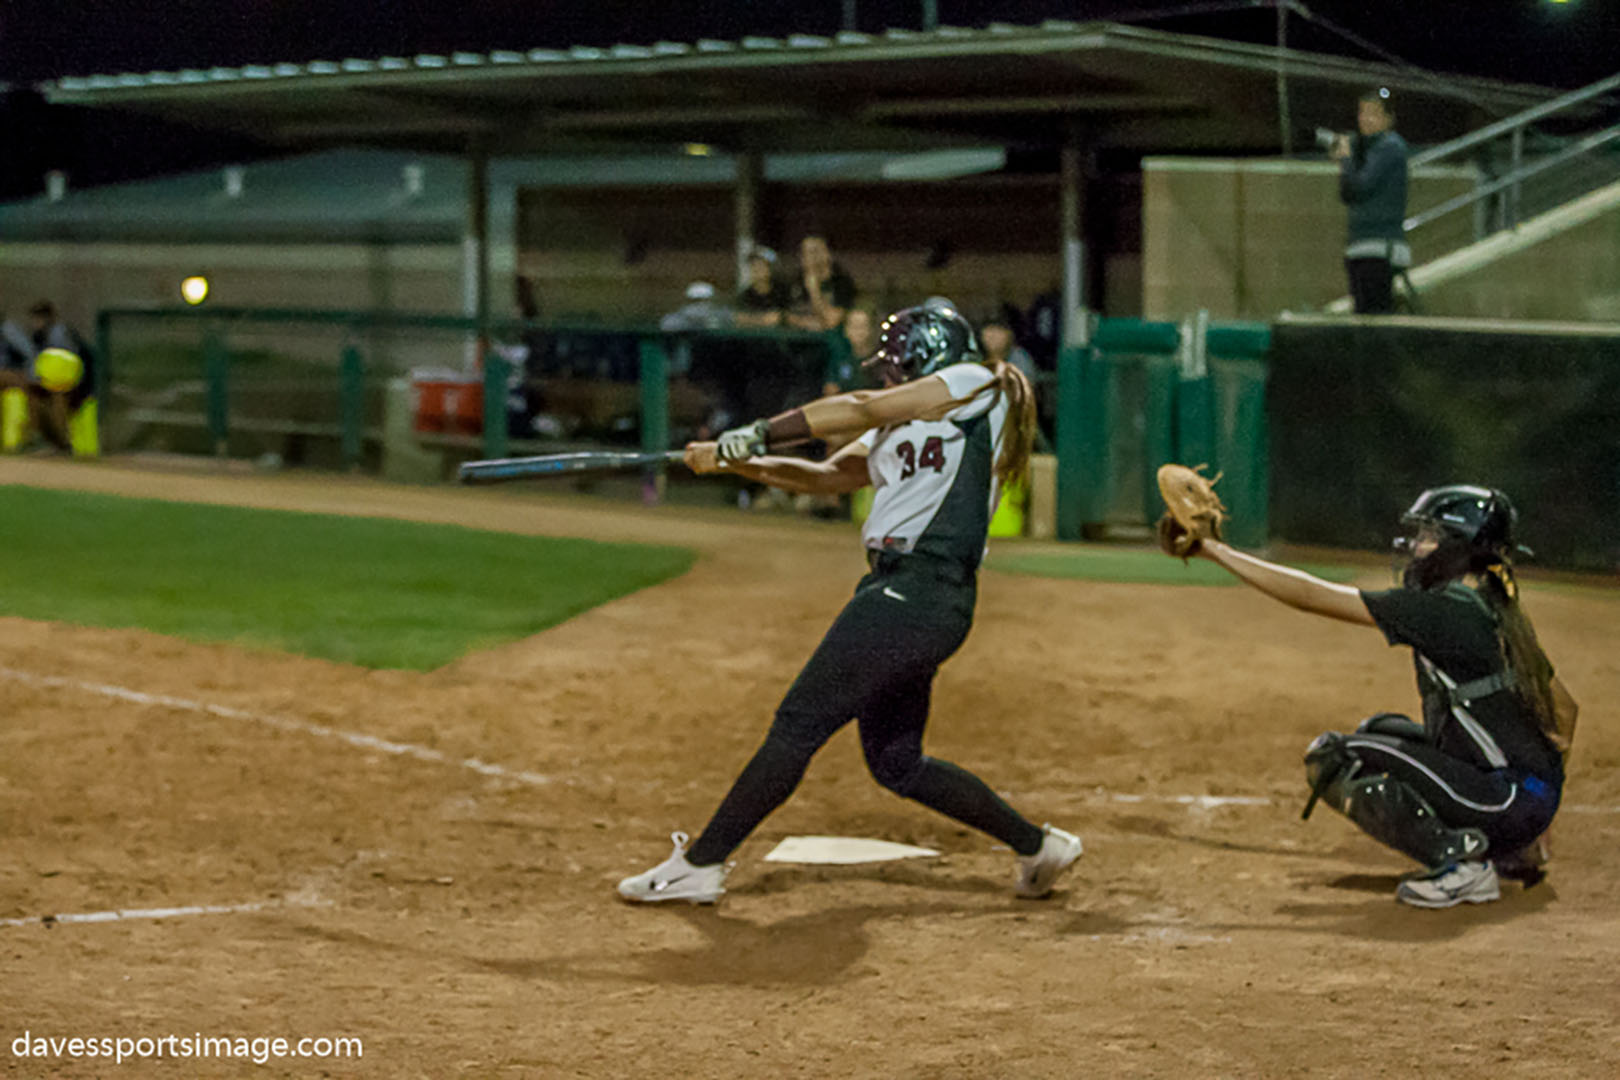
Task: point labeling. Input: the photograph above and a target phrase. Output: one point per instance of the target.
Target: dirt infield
(464, 924)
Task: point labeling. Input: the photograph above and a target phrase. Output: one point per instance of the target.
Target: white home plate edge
(843, 850)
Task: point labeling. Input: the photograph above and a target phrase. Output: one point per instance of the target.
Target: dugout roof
(1117, 86)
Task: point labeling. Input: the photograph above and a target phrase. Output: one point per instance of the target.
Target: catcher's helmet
(1481, 518)
(921, 340)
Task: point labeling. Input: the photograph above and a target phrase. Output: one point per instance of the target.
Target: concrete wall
(82, 278)
(1571, 276)
(1247, 239)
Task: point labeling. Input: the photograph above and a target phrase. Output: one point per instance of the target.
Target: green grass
(369, 591)
(1134, 566)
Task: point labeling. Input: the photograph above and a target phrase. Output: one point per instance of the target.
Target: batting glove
(742, 443)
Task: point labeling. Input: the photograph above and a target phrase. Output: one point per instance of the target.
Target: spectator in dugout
(700, 312)
(764, 296)
(1000, 346)
(824, 290)
(843, 372)
(26, 400)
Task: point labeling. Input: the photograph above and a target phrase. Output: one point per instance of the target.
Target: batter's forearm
(841, 414)
(790, 474)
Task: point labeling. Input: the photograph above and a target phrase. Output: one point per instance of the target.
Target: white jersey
(934, 483)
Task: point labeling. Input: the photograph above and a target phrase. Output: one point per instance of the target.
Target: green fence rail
(1137, 395)
(1142, 393)
(243, 377)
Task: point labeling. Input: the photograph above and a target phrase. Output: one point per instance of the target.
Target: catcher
(1471, 791)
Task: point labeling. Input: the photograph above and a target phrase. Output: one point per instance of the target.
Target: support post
(496, 441)
(1285, 121)
(104, 361)
(475, 250)
(749, 171)
(1073, 352)
(1513, 192)
(1071, 177)
(654, 409)
(351, 398)
(216, 371)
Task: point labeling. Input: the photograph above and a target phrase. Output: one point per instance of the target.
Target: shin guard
(1385, 807)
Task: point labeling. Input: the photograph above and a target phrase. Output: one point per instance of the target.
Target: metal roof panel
(807, 92)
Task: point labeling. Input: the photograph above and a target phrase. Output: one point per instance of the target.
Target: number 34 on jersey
(931, 456)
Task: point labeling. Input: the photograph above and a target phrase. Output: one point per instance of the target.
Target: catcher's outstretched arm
(1293, 587)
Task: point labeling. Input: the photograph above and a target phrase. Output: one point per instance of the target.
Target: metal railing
(1564, 171)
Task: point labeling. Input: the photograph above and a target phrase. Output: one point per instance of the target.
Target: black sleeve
(1409, 616)
(1451, 626)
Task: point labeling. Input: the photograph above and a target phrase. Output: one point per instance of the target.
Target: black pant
(876, 663)
(1509, 805)
(1372, 285)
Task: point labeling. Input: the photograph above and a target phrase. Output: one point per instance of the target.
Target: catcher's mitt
(1195, 512)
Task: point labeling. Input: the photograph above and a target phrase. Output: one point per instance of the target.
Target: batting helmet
(921, 340)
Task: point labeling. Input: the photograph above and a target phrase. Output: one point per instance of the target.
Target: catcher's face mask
(1423, 556)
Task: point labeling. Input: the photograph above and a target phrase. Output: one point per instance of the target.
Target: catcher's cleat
(1528, 865)
(677, 879)
(1037, 873)
(1472, 882)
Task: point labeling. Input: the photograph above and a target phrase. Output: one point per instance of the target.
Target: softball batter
(1470, 791)
(939, 440)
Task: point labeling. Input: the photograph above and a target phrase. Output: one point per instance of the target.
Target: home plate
(842, 850)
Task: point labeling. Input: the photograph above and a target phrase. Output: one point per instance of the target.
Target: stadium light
(194, 290)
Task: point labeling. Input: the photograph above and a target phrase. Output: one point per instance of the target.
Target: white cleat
(677, 879)
(1472, 882)
(1037, 873)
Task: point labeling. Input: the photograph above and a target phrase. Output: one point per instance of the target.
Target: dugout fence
(1358, 414)
(1140, 393)
(408, 395)
(1365, 413)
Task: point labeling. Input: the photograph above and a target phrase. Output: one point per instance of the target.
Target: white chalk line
(281, 723)
(126, 914)
(426, 753)
(1208, 802)
(1203, 802)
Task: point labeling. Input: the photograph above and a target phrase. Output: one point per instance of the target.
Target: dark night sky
(1564, 45)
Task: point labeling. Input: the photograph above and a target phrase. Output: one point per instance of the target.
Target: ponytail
(1018, 436)
(1521, 651)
